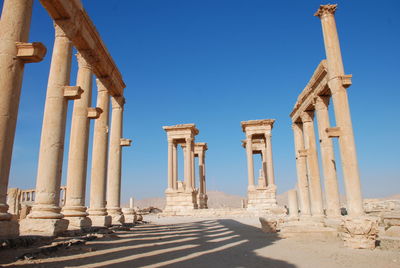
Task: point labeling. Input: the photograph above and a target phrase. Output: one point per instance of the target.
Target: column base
(9, 229)
(100, 220)
(43, 227)
(78, 223)
(307, 230)
(117, 218)
(359, 233)
(129, 215)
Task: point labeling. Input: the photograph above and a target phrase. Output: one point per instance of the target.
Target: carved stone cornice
(326, 10)
(82, 63)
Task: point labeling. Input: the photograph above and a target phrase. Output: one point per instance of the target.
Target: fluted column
(75, 209)
(312, 164)
(14, 32)
(270, 164)
(175, 167)
(114, 162)
(301, 167)
(98, 179)
(250, 164)
(170, 165)
(51, 151)
(201, 174)
(188, 164)
(193, 166)
(337, 84)
(328, 158)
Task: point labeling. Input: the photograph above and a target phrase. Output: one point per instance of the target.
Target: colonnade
(46, 217)
(328, 81)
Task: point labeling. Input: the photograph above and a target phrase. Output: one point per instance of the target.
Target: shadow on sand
(207, 243)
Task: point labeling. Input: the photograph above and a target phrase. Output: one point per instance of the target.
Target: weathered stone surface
(43, 227)
(9, 229)
(78, 223)
(359, 232)
(100, 220)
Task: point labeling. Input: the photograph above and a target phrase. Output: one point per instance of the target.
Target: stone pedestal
(100, 220)
(129, 215)
(43, 227)
(180, 201)
(262, 198)
(78, 223)
(359, 232)
(202, 201)
(307, 229)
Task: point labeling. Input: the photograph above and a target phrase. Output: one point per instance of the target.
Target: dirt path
(188, 242)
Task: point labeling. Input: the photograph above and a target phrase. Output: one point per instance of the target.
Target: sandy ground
(194, 242)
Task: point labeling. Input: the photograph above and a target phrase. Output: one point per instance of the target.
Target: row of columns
(308, 173)
(46, 217)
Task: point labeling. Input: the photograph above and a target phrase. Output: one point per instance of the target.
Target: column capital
(322, 102)
(82, 63)
(307, 116)
(100, 86)
(249, 136)
(59, 32)
(117, 102)
(297, 125)
(325, 10)
(170, 140)
(188, 140)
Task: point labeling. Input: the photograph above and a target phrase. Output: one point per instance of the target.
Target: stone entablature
(79, 28)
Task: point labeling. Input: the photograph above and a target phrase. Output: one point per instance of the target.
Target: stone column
(328, 158)
(175, 167)
(201, 179)
(114, 163)
(193, 166)
(293, 205)
(264, 165)
(301, 167)
(98, 181)
(312, 164)
(45, 218)
(250, 164)
(337, 84)
(188, 164)
(74, 209)
(270, 165)
(14, 33)
(170, 165)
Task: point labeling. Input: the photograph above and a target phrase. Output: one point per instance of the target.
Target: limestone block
(117, 219)
(269, 225)
(43, 227)
(9, 229)
(100, 220)
(359, 232)
(78, 223)
(31, 52)
(25, 210)
(129, 215)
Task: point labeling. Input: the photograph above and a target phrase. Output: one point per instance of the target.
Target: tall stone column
(293, 204)
(45, 218)
(74, 209)
(114, 162)
(170, 165)
(250, 163)
(188, 164)
(98, 181)
(14, 53)
(193, 166)
(337, 84)
(301, 166)
(201, 180)
(312, 164)
(328, 158)
(270, 165)
(264, 165)
(175, 167)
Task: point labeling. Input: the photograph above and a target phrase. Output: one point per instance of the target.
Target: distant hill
(216, 199)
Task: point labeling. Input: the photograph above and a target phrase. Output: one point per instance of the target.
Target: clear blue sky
(218, 62)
